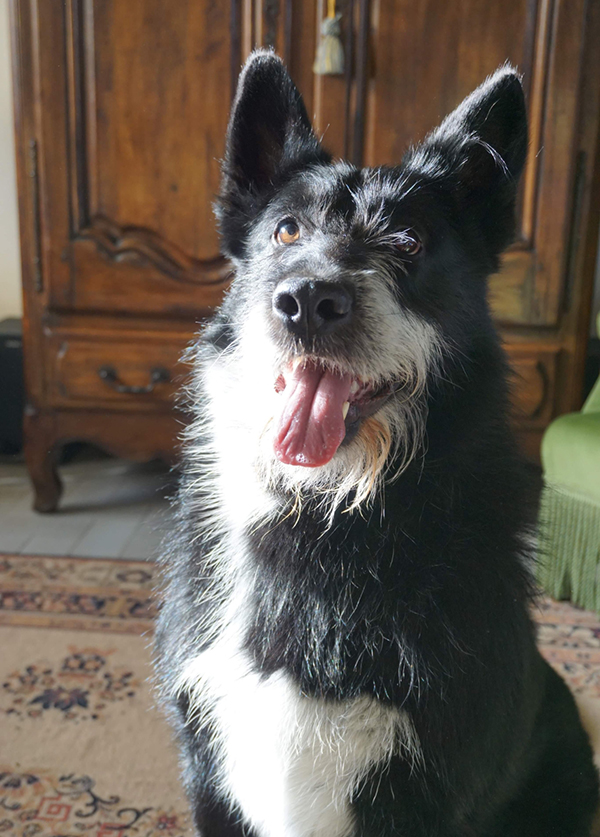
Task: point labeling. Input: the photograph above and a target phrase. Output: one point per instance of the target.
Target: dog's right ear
(269, 137)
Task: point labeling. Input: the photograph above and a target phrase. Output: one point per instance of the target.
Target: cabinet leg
(42, 450)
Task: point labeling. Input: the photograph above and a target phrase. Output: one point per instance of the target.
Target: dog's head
(352, 287)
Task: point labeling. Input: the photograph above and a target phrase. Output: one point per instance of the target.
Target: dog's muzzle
(310, 308)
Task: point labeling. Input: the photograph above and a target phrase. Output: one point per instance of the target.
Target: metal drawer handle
(158, 375)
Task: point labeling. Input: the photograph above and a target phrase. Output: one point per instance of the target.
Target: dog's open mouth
(320, 408)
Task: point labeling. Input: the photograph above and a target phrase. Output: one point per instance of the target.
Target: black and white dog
(345, 642)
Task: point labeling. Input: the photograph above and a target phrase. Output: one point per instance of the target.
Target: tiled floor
(109, 509)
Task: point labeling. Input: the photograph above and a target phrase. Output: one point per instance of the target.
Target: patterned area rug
(84, 750)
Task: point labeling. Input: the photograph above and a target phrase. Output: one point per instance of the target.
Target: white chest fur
(290, 763)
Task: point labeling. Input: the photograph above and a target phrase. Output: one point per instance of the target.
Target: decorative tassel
(330, 52)
(569, 547)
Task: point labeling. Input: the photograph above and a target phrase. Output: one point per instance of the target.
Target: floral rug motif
(41, 804)
(80, 687)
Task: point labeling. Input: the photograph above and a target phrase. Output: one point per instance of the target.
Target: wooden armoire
(121, 108)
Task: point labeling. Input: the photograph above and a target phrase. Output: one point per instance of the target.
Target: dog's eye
(408, 243)
(287, 232)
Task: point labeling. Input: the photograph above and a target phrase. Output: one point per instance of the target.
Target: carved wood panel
(533, 382)
(143, 123)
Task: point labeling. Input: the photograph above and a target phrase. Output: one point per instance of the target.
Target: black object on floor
(11, 386)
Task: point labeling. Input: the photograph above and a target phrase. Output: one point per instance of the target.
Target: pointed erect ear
(269, 137)
(490, 129)
(269, 129)
(481, 148)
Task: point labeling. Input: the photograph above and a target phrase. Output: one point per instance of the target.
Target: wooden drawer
(143, 371)
(533, 383)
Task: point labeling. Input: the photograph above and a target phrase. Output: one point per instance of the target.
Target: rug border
(86, 622)
(80, 558)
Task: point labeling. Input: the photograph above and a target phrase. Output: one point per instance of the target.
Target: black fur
(422, 600)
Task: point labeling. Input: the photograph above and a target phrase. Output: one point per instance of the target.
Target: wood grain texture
(77, 364)
(533, 383)
(33, 300)
(42, 450)
(155, 128)
(558, 144)
(426, 57)
(332, 94)
(583, 237)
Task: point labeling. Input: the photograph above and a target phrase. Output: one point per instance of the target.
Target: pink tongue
(311, 424)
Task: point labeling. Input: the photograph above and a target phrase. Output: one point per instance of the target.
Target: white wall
(10, 268)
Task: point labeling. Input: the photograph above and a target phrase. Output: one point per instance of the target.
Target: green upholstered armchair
(569, 520)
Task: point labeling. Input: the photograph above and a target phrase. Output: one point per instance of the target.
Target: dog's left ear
(268, 138)
(481, 146)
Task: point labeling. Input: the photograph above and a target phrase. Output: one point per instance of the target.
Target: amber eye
(287, 232)
(408, 243)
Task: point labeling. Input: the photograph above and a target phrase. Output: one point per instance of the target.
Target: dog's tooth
(354, 388)
(345, 408)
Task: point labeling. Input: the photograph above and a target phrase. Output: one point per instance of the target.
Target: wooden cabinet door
(426, 56)
(132, 102)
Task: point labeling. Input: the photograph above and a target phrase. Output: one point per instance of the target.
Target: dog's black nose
(310, 308)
